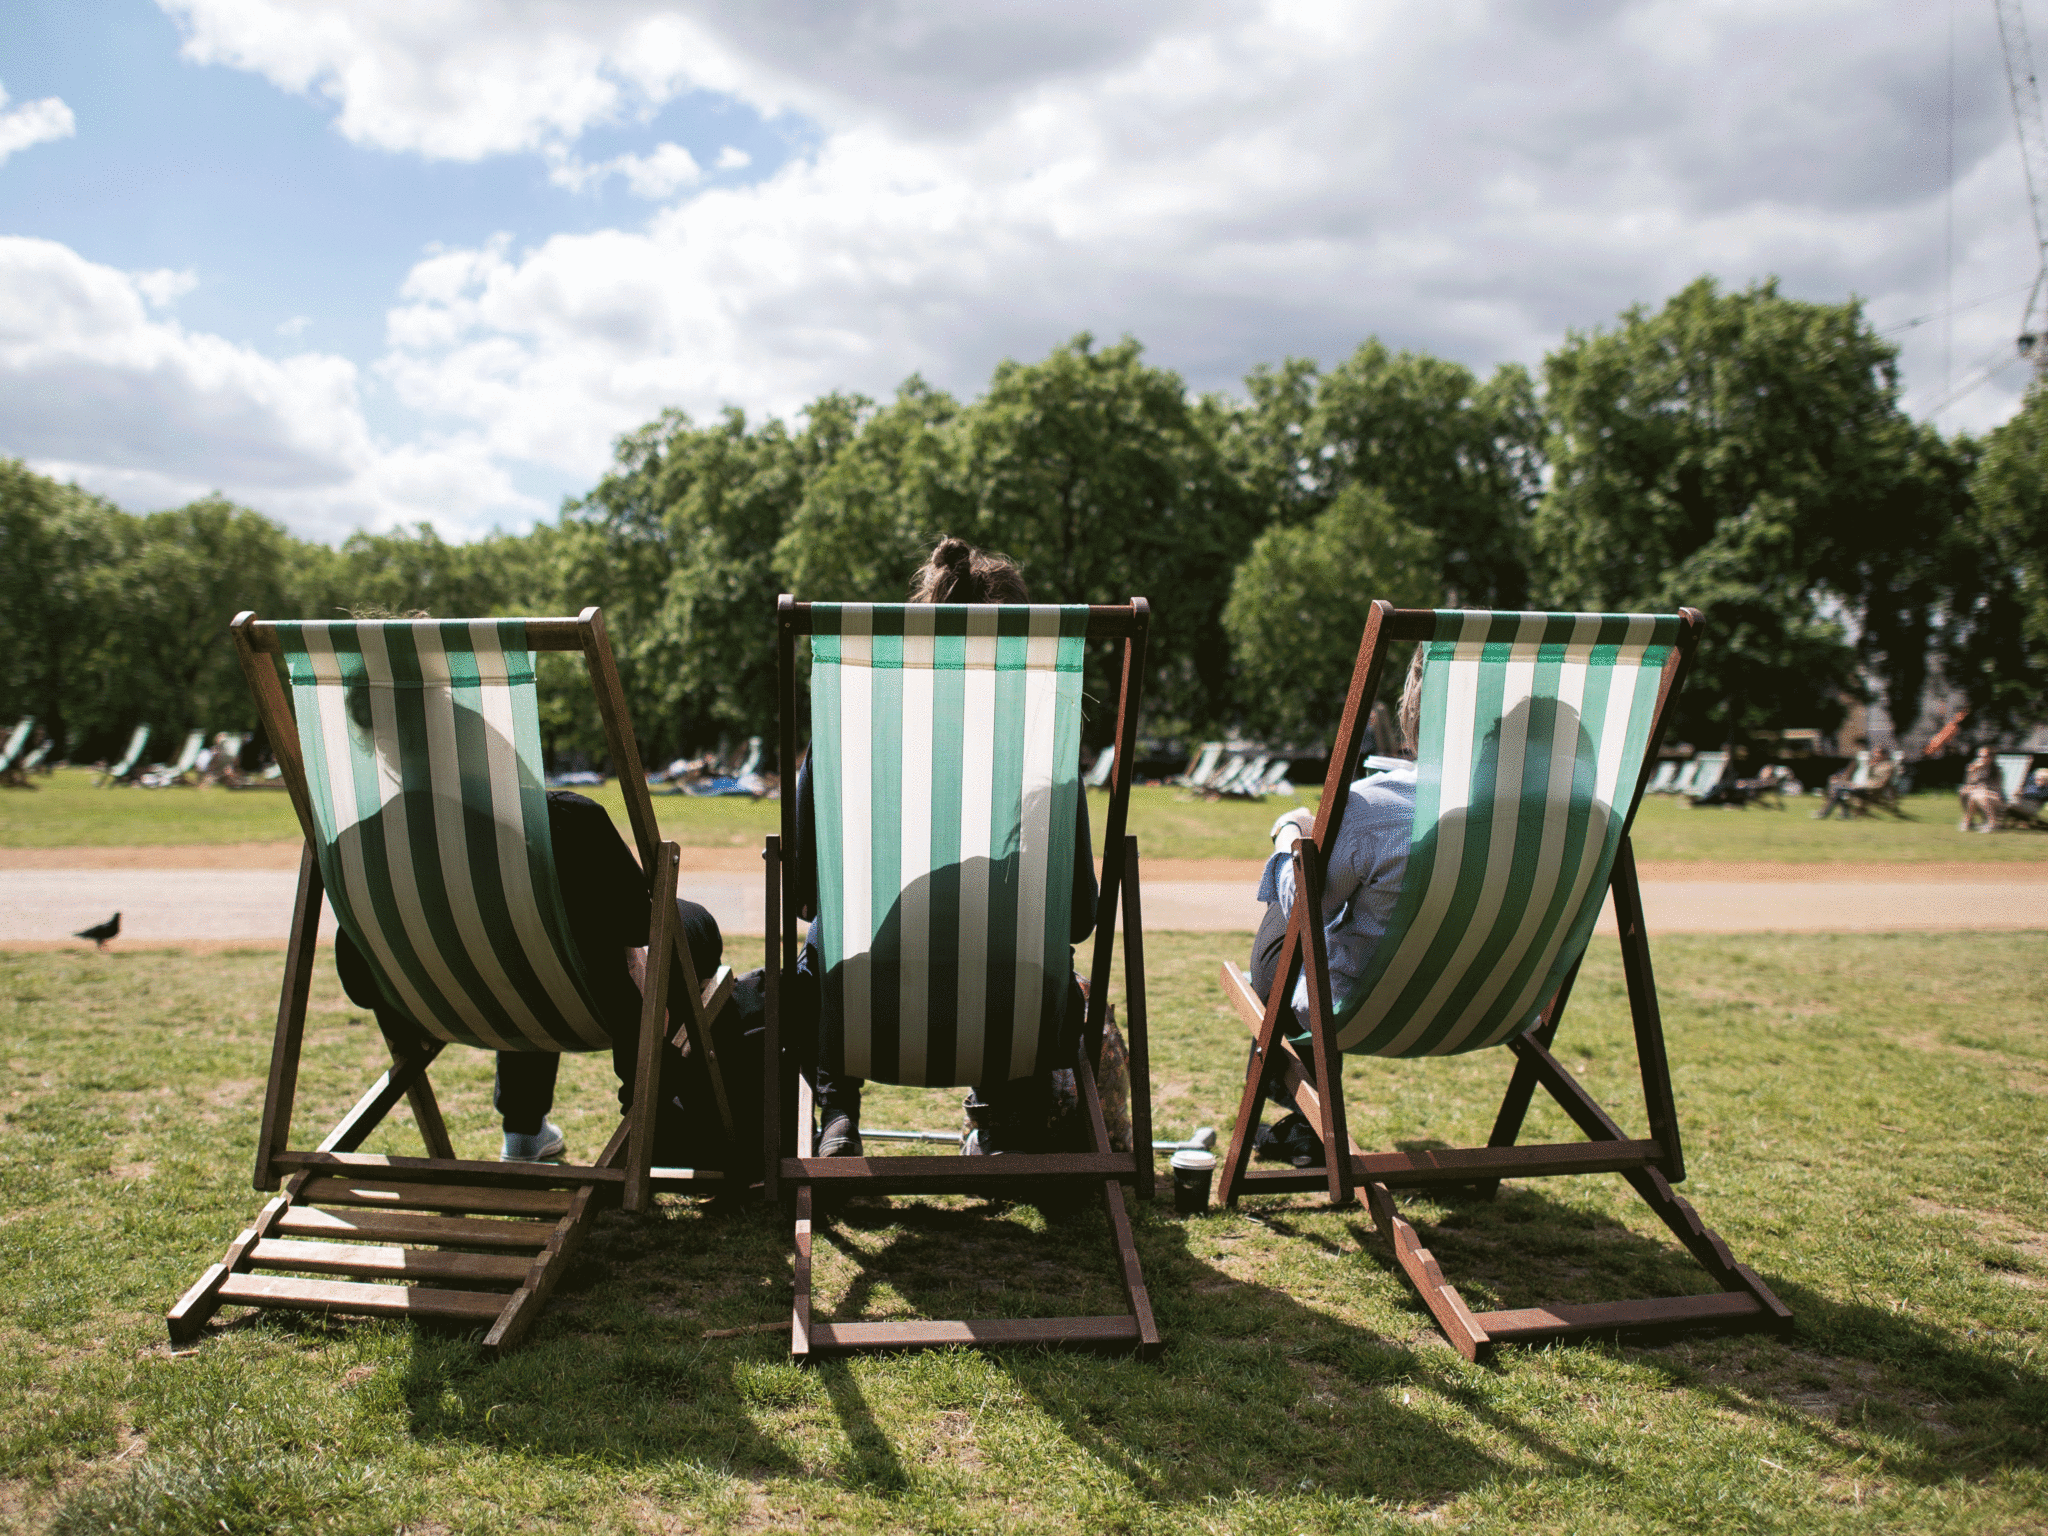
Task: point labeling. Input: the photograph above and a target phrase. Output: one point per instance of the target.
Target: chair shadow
(1526, 1248)
(621, 1367)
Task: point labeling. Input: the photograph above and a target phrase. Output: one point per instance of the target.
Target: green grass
(1865, 1124)
(67, 813)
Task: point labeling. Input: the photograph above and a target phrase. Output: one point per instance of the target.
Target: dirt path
(241, 894)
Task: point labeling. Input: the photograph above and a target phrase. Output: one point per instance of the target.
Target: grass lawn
(67, 812)
(1865, 1121)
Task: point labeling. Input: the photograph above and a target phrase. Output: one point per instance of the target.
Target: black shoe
(840, 1138)
(1290, 1140)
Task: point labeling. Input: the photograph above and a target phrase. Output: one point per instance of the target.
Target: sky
(363, 263)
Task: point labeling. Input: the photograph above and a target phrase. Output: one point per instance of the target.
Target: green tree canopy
(1298, 606)
(1745, 453)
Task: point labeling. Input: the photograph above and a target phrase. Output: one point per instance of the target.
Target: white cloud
(1232, 183)
(164, 287)
(295, 327)
(653, 176)
(33, 122)
(733, 158)
(93, 388)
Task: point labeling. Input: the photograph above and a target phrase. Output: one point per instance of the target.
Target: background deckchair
(126, 766)
(1537, 734)
(2013, 768)
(1666, 772)
(167, 774)
(1707, 770)
(1203, 768)
(945, 746)
(411, 750)
(16, 740)
(13, 765)
(1105, 760)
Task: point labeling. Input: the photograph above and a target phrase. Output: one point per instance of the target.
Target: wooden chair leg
(1121, 1237)
(275, 1132)
(1420, 1266)
(1137, 1039)
(800, 1313)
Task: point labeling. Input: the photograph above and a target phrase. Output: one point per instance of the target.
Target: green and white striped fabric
(16, 739)
(1534, 727)
(422, 747)
(945, 775)
(136, 744)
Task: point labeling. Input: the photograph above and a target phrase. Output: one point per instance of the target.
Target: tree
(1997, 638)
(1096, 473)
(1448, 453)
(54, 540)
(883, 494)
(1298, 606)
(1743, 453)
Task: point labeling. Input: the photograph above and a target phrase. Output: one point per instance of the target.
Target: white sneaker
(546, 1145)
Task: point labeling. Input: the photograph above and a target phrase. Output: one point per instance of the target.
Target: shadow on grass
(1944, 1404)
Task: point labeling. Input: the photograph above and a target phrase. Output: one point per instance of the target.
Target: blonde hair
(1411, 704)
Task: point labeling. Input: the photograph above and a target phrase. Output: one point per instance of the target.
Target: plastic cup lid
(1193, 1161)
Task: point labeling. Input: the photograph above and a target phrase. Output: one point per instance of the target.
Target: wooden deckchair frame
(552, 1204)
(1651, 1164)
(795, 1180)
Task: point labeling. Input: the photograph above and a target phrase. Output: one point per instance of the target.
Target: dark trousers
(1265, 966)
(525, 1089)
(1022, 1101)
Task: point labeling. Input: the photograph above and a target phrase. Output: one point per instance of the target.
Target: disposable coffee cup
(1192, 1171)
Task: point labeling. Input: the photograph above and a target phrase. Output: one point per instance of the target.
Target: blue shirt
(1361, 882)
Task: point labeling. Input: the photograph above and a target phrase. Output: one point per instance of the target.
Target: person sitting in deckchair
(604, 892)
(1366, 871)
(1006, 1117)
(1981, 795)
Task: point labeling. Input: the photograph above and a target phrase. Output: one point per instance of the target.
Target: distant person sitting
(1880, 788)
(1982, 796)
(1367, 866)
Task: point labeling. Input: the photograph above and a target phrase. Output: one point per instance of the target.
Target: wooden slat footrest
(404, 1227)
(1121, 1332)
(1719, 1309)
(953, 1174)
(1466, 1165)
(453, 1170)
(362, 1300)
(400, 1195)
(388, 1263)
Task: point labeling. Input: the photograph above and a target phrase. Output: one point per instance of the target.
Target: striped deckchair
(121, 770)
(1538, 731)
(164, 775)
(945, 758)
(2013, 768)
(1203, 769)
(13, 766)
(16, 740)
(411, 750)
(1707, 770)
(1666, 772)
(1105, 760)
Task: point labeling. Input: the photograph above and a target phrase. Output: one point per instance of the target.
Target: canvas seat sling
(945, 747)
(1537, 731)
(412, 753)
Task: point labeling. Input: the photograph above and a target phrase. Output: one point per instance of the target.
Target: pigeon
(101, 932)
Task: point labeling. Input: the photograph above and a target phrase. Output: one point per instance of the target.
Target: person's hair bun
(953, 554)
